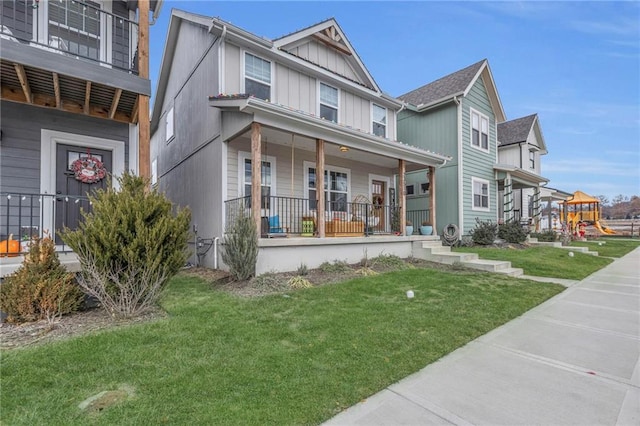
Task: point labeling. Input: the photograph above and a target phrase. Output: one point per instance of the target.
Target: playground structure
(581, 210)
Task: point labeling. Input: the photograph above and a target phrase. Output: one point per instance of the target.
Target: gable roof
(330, 34)
(516, 131)
(455, 84)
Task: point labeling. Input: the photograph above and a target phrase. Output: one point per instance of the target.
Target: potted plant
(426, 228)
(408, 228)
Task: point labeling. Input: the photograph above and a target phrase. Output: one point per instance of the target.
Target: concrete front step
(450, 258)
(497, 266)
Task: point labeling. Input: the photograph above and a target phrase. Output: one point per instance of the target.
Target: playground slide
(603, 229)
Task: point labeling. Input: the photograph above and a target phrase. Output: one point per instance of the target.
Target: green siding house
(456, 115)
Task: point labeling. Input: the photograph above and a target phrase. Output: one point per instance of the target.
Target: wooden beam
(22, 76)
(114, 103)
(331, 43)
(87, 97)
(402, 168)
(56, 89)
(320, 186)
(432, 199)
(144, 131)
(256, 174)
(134, 111)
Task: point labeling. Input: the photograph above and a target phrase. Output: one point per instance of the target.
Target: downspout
(460, 188)
(215, 252)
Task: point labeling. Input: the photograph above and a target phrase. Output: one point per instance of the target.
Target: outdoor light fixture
(344, 148)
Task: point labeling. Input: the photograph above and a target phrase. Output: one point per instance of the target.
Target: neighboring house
(246, 125)
(72, 89)
(455, 115)
(521, 146)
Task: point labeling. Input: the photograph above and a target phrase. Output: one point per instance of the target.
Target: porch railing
(417, 217)
(34, 215)
(74, 28)
(282, 216)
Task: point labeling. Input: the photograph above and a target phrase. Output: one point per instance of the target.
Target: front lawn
(543, 261)
(609, 247)
(295, 358)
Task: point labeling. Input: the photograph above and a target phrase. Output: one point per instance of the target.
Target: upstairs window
(328, 102)
(479, 131)
(379, 121)
(75, 27)
(480, 194)
(532, 159)
(169, 125)
(257, 77)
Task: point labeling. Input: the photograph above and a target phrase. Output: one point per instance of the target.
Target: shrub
(299, 282)
(546, 236)
(389, 261)
(336, 266)
(41, 288)
(241, 248)
(512, 232)
(484, 233)
(129, 246)
(303, 269)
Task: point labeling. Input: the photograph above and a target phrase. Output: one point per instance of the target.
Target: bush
(129, 246)
(512, 232)
(241, 248)
(546, 236)
(336, 266)
(41, 288)
(298, 282)
(484, 233)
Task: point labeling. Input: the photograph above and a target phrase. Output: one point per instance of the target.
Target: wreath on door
(377, 201)
(88, 169)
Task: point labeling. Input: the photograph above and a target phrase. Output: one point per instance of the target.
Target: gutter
(440, 101)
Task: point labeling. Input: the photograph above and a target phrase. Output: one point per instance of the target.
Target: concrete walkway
(573, 360)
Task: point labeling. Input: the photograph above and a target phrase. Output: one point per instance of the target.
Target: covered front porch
(511, 179)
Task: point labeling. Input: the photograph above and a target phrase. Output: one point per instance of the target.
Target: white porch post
(432, 199)
(256, 174)
(320, 186)
(403, 197)
(508, 199)
(536, 208)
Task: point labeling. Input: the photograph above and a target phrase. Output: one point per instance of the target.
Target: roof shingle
(515, 131)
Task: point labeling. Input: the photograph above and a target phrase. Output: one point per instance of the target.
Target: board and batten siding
(510, 155)
(21, 141)
(329, 58)
(477, 163)
(437, 131)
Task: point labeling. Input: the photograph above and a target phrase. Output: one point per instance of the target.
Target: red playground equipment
(581, 210)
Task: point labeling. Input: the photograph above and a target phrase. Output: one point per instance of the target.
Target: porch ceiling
(96, 91)
(281, 122)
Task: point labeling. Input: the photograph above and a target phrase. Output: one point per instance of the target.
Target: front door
(69, 188)
(378, 191)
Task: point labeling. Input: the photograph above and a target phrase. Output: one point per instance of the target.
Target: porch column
(320, 186)
(508, 199)
(536, 208)
(256, 174)
(432, 198)
(144, 133)
(402, 168)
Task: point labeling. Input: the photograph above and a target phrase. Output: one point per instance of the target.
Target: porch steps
(434, 251)
(558, 244)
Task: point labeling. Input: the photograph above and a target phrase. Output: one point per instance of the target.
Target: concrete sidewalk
(571, 360)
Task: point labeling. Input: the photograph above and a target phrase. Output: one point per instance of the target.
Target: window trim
(373, 121)
(532, 159)
(169, 125)
(328, 168)
(413, 189)
(154, 171)
(475, 180)
(244, 155)
(481, 117)
(320, 103)
(243, 72)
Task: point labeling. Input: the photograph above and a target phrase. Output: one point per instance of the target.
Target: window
(424, 188)
(267, 182)
(257, 77)
(409, 190)
(154, 171)
(479, 131)
(328, 102)
(75, 27)
(336, 187)
(169, 125)
(532, 159)
(379, 121)
(480, 194)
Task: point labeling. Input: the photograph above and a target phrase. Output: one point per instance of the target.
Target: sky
(575, 64)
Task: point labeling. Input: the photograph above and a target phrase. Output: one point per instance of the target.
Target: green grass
(544, 261)
(298, 358)
(611, 247)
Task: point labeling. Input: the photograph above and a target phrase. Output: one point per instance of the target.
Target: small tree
(512, 232)
(129, 246)
(41, 288)
(484, 233)
(241, 248)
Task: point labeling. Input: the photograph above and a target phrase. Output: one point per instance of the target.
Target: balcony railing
(73, 28)
(283, 216)
(36, 215)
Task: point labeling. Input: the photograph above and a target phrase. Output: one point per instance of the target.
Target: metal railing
(24, 216)
(80, 29)
(418, 217)
(282, 216)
